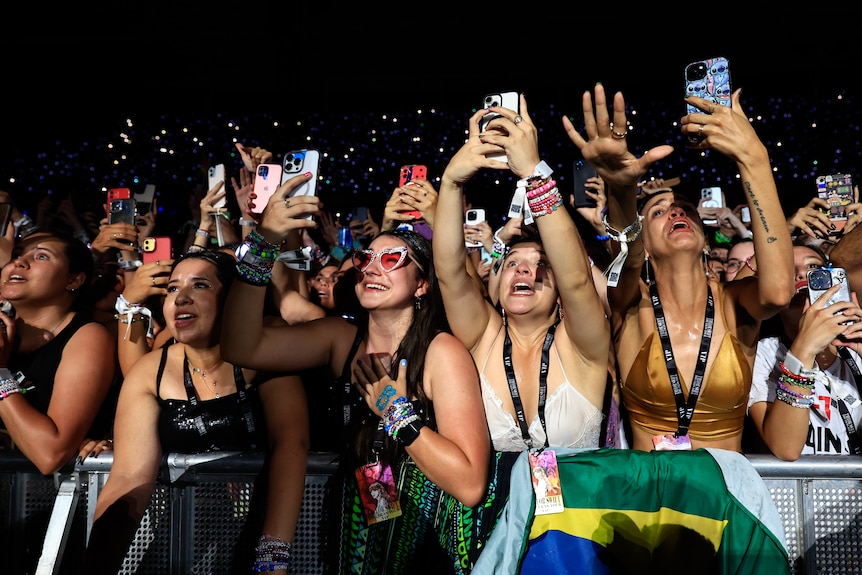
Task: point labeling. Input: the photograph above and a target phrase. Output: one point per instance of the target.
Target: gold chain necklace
(203, 373)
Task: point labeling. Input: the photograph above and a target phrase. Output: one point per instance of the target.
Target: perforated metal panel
(837, 526)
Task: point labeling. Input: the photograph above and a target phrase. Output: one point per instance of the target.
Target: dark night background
(373, 89)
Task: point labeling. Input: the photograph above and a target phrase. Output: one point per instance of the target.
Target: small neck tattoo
(205, 378)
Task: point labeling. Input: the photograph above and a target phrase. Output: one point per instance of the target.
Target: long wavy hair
(429, 319)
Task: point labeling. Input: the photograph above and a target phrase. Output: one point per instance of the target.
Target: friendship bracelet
(271, 554)
(795, 377)
(202, 233)
(124, 308)
(783, 387)
(799, 403)
(546, 187)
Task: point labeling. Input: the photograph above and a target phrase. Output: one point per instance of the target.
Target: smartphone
(119, 194)
(708, 79)
(746, 215)
(822, 279)
(121, 210)
(215, 174)
(144, 200)
(409, 173)
(711, 199)
(837, 190)
(5, 216)
(582, 171)
(472, 217)
(360, 213)
(298, 162)
(510, 100)
(156, 248)
(266, 181)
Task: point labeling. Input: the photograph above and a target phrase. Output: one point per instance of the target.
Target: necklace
(52, 331)
(205, 378)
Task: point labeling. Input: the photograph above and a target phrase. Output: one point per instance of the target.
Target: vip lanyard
(543, 384)
(684, 410)
(852, 434)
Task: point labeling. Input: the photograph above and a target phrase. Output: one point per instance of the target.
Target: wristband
(540, 172)
(129, 265)
(202, 233)
(247, 223)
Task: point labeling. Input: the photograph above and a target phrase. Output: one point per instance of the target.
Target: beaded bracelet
(545, 207)
(546, 187)
(803, 383)
(783, 387)
(12, 385)
(255, 266)
(602, 238)
(271, 554)
(793, 401)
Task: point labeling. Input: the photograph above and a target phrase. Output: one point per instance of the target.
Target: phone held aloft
(582, 171)
(820, 280)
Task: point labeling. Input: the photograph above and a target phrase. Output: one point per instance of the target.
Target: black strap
(543, 384)
(242, 398)
(854, 443)
(684, 409)
(347, 375)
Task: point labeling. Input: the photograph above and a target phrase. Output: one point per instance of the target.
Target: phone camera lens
(695, 72)
(263, 171)
(489, 101)
(819, 280)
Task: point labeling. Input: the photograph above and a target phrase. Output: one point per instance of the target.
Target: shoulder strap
(162, 364)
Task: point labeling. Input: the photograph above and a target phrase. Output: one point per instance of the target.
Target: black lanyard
(684, 410)
(852, 435)
(543, 384)
(242, 399)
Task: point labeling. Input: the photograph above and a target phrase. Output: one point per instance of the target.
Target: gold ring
(286, 202)
(700, 128)
(618, 135)
(518, 119)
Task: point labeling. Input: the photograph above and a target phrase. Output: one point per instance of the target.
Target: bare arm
(82, 381)
(728, 131)
(286, 413)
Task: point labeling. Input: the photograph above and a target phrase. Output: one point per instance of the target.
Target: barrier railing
(204, 516)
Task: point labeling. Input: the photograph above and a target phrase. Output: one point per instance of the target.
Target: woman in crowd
(58, 364)
(186, 398)
(685, 346)
(418, 425)
(814, 413)
(543, 352)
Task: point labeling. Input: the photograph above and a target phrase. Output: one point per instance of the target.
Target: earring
(706, 261)
(417, 303)
(646, 270)
(505, 321)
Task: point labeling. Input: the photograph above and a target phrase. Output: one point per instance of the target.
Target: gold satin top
(720, 409)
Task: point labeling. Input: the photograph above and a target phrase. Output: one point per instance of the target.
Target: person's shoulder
(446, 343)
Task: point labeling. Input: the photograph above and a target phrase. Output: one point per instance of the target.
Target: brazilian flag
(635, 512)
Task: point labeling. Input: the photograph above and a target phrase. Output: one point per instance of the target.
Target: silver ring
(518, 119)
(154, 280)
(700, 128)
(287, 202)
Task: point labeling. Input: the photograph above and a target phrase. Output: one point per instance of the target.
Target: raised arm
(729, 132)
(466, 308)
(606, 150)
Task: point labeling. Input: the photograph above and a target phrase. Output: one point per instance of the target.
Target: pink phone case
(266, 181)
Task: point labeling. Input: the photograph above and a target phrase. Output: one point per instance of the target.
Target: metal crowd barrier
(205, 519)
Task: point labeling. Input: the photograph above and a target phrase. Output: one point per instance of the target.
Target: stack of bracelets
(272, 554)
(258, 257)
(543, 196)
(10, 384)
(133, 312)
(401, 422)
(790, 397)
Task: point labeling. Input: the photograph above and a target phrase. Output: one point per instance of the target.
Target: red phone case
(408, 174)
(156, 248)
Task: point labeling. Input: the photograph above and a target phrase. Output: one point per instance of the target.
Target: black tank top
(231, 422)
